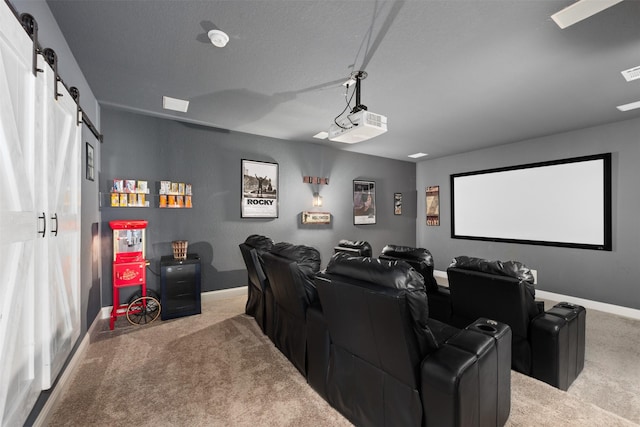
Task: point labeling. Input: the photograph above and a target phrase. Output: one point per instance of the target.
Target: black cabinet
(180, 286)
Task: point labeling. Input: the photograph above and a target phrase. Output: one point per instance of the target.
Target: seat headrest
(362, 245)
(260, 243)
(304, 256)
(389, 274)
(513, 269)
(407, 252)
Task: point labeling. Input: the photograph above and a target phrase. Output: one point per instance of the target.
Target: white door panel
(20, 364)
(60, 289)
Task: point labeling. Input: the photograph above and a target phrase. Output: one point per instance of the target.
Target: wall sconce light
(317, 200)
(315, 180)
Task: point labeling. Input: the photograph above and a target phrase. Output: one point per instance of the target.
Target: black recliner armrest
(466, 382)
(557, 344)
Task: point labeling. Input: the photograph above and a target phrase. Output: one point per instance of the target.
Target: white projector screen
(559, 203)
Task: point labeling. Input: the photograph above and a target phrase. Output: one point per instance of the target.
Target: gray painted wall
(610, 277)
(143, 147)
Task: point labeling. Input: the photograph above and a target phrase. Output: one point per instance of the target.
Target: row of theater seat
(547, 345)
(361, 334)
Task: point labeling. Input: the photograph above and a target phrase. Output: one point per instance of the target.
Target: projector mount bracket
(358, 76)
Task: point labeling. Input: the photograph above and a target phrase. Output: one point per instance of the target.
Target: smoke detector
(218, 38)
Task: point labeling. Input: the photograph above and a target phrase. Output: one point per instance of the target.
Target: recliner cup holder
(486, 328)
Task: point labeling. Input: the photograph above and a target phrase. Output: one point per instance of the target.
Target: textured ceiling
(451, 76)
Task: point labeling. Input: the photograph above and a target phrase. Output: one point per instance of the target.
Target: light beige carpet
(218, 369)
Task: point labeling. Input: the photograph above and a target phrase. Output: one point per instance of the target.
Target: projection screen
(558, 203)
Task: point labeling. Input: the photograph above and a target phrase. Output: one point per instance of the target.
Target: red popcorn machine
(129, 269)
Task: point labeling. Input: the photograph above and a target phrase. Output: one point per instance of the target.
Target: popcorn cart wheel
(143, 310)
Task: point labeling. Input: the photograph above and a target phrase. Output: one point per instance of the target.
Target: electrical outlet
(535, 276)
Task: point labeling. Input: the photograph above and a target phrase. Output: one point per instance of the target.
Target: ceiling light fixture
(580, 10)
(175, 104)
(218, 38)
(417, 155)
(321, 135)
(630, 106)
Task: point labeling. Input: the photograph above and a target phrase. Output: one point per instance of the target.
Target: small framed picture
(433, 205)
(397, 203)
(90, 162)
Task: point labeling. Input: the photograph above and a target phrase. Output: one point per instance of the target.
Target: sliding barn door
(20, 366)
(58, 289)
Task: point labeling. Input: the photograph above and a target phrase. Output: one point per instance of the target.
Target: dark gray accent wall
(154, 149)
(609, 277)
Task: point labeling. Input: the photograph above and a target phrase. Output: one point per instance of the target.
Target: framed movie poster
(259, 189)
(397, 203)
(433, 205)
(364, 202)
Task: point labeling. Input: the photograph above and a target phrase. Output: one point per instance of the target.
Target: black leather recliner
(260, 299)
(548, 345)
(354, 247)
(291, 270)
(391, 365)
(422, 260)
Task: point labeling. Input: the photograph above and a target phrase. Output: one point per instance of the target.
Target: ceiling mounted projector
(358, 127)
(360, 124)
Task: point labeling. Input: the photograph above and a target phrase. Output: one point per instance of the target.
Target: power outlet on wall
(535, 276)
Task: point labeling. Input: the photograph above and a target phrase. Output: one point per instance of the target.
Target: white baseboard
(440, 274)
(586, 303)
(226, 293)
(105, 312)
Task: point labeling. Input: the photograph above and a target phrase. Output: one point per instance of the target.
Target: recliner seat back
(419, 258)
(371, 322)
(422, 260)
(291, 270)
(252, 250)
(497, 290)
(354, 247)
(376, 312)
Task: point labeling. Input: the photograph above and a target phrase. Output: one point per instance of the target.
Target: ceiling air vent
(631, 73)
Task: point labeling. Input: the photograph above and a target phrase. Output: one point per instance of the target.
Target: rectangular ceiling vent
(175, 104)
(631, 73)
